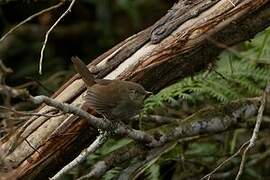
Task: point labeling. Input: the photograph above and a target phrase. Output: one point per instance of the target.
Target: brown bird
(114, 99)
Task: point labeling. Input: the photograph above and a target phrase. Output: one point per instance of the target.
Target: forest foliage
(240, 72)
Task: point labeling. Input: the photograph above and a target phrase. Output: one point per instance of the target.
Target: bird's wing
(98, 103)
(103, 100)
(103, 81)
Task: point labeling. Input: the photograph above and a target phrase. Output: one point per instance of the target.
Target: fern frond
(239, 75)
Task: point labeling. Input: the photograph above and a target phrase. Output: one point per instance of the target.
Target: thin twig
(30, 18)
(231, 2)
(250, 143)
(254, 134)
(30, 114)
(4, 71)
(224, 46)
(49, 31)
(101, 139)
(208, 176)
(31, 146)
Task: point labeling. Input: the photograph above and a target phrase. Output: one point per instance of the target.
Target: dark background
(90, 29)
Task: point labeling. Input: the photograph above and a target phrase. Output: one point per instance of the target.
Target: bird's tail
(82, 69)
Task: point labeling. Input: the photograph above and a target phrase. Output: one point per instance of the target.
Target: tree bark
(178, 45)
(206, 122)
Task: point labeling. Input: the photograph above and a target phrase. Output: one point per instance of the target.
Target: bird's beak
(148, 93)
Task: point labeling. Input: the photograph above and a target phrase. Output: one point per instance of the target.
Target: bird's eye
(133, 91)
(132, 94)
